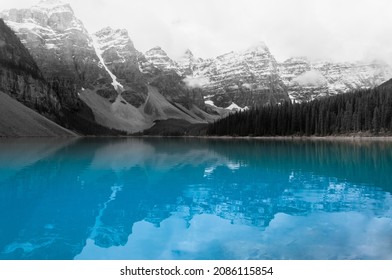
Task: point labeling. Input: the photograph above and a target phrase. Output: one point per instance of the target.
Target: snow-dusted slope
(121, 60)
(245, 78)
(254, 78)
(138, 105)
(159, 58)
(97, 47)
(104, 69)
(307, 80)
(188, 63)
(61, 46)
(117, 77)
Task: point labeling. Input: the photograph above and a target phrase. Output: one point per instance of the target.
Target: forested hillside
(364, 111)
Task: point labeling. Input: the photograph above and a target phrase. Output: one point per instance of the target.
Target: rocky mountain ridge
(135, 74)
(21, 78)
(61, 46)
(24, 92)
(253, 77)
(306, 80)
(101, 77)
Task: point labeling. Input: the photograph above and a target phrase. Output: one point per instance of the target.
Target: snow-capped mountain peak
(188, 53)
(56, 7)
(47, 16)
(187, 62)
(109, 37)
(117, 86)
(156, 51)
(60, 44)
(307, 80)
(159, 58)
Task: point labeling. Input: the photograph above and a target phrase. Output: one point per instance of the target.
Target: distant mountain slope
(61, 46)
(100, 77)
(364, 112)
(124, 116)
(93, 83)
(253, 77)
(386, 85)
(119, 56)
(233, 80)
(20, 76)
(18, 120)
(306, 80)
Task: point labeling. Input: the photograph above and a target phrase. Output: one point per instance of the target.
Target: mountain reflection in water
(160, 198)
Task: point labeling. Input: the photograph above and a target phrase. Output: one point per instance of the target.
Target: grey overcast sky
(340, 30)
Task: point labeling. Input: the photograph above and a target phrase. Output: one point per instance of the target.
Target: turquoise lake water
(194, 199)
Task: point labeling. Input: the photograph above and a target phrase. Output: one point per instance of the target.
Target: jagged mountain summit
(121, 60)
(151, 93)
(253, 77)
(159, 58)
(246, 78)
(187, 63)
(101, 77)
(234, 80)
(61, 46)
(306, 80)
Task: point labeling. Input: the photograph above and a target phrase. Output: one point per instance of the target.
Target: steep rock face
(79, 67)
(21, 78)
(233, 80)
(134, 71)
(61, 46)
(167, 75)
(24, 92)
(122, 59)
(172, 87)
(159, 58)
(307, 80)
(188, 63)
(248, 78)
(253, 77)
(303, 82)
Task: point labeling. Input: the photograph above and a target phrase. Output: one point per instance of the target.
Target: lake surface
(194, 199)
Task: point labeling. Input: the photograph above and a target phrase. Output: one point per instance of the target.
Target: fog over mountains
(101, 84)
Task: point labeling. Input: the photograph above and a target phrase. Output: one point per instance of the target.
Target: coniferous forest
(359, 112)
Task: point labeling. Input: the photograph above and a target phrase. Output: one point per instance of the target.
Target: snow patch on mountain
(210, 102)
(253, 77)
(161, 60)
(116, 39)
(235, 107)
(117, 86)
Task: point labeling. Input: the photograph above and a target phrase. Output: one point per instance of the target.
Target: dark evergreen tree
(364, 111)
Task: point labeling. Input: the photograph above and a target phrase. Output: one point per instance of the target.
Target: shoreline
(355, 138)
(303, 138)
(279, 138)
